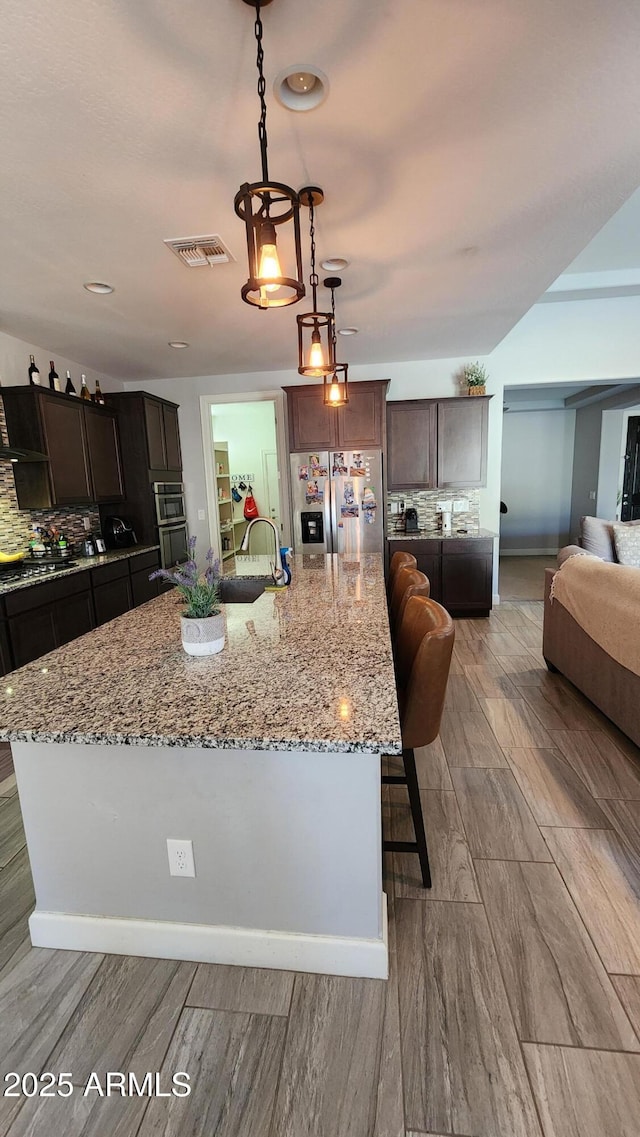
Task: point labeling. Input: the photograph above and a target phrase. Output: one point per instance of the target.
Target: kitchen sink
(235, 590)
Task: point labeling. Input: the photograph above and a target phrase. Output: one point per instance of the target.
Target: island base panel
(287, 849)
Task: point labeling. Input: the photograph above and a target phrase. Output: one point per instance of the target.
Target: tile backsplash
(425, 503)
(15, 523)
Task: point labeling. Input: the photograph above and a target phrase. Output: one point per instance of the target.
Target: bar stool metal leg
(418, 846)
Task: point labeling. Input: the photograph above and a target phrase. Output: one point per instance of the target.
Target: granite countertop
(80, 564)
(437, 535)
(308, 667)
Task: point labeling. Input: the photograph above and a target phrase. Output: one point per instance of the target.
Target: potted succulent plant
(475, 377)
(202, 621)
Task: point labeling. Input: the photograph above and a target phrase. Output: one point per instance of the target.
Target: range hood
(19, 454)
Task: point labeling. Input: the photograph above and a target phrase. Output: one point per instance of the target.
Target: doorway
(243, 444)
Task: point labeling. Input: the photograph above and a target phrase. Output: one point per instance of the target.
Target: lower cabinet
(460, 571)
(47, 615)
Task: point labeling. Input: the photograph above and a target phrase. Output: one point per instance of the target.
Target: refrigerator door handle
(333, 521)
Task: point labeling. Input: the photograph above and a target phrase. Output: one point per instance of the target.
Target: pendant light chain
(313, 279)
(333, 321)
(262, 88)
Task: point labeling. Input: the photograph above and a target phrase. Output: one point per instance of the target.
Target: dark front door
(631, 484)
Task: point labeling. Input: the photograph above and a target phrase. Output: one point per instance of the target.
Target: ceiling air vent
(196, 252)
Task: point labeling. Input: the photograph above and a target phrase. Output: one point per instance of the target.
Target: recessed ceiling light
(334, 264)
(178, 343)
(96, 286)
(301, 88)
(347, 331)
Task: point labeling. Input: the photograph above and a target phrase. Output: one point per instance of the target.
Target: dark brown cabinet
(437, 443)
(46, 615)
(462, 442)
(411, 444)
(163, 439)
(104, 455)
(80, 442)
(5, 647)
(173, 453)
(460, 571)
(151, 452)
(359, 425)
(65, 443)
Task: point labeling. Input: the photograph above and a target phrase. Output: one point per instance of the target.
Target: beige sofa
(591, 633)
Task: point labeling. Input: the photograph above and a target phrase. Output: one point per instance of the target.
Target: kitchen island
(266, 757)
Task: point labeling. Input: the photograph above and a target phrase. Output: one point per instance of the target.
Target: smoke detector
(198, 252)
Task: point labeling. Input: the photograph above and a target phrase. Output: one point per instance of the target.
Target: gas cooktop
(33, 570)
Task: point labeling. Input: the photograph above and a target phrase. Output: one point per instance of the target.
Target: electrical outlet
(592, 495)
(201, 515)
(180, 855)
(86, 521)
(443, 506)
(461, 505)
(395, 507)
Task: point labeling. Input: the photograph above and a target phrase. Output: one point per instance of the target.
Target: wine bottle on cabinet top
(70, 389)
(34, 372)
(84, 390)
(98, 397)
(54, 378)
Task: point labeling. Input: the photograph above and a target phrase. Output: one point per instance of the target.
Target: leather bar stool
(418, 585)
(405, 578)
(398, 561)
(425, 646)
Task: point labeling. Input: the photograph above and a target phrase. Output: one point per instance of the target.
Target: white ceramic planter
(203, 637)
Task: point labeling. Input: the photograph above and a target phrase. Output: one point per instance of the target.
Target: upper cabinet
(411, 445)
(437, 443)
(104, 454)
(80, 441)
(163, 438)
(462, 442)
(313, 426)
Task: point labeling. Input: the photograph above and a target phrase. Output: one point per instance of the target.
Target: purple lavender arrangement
(200, 593)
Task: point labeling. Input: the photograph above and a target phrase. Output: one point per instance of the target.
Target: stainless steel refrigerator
(338, 506)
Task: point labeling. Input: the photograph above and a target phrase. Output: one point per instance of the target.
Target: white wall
(537, 466)
(14, 366)
(586, 466)
(576, 340)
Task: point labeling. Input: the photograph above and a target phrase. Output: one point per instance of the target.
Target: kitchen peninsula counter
(266, 757)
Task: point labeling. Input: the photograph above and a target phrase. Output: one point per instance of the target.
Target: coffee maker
(118, 533)
(411, 520)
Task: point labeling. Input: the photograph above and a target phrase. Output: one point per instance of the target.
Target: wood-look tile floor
(513, 1003)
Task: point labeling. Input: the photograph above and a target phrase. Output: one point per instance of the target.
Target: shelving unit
(225, 505)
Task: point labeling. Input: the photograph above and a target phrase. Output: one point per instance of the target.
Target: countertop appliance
(118, 533)
(411, 520)
(338, 503)
(88, 547)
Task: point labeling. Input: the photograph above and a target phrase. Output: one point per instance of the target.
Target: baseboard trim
(204, 943)
(529, 552)
(496, 598)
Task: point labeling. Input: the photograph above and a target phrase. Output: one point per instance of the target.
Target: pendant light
(264, 207)
(315, 329)
(335, 387)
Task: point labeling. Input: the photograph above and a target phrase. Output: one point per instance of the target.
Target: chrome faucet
(277, 570)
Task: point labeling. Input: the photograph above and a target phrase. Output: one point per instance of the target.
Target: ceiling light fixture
(348, 331)
(178, 343)
(96, 286)
(334, 264)
(315, 329)
(264, 207)
(334, 392)
(301, 88)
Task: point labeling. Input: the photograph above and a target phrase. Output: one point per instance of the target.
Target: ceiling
(469, 150)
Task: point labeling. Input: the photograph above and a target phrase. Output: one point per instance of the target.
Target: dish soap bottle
(286, 567)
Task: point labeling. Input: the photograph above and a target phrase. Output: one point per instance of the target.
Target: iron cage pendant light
(335, 387)
(265, 206)
(315, 329)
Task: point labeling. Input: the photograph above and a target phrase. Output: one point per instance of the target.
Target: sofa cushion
(626, 538)
(596, 536)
